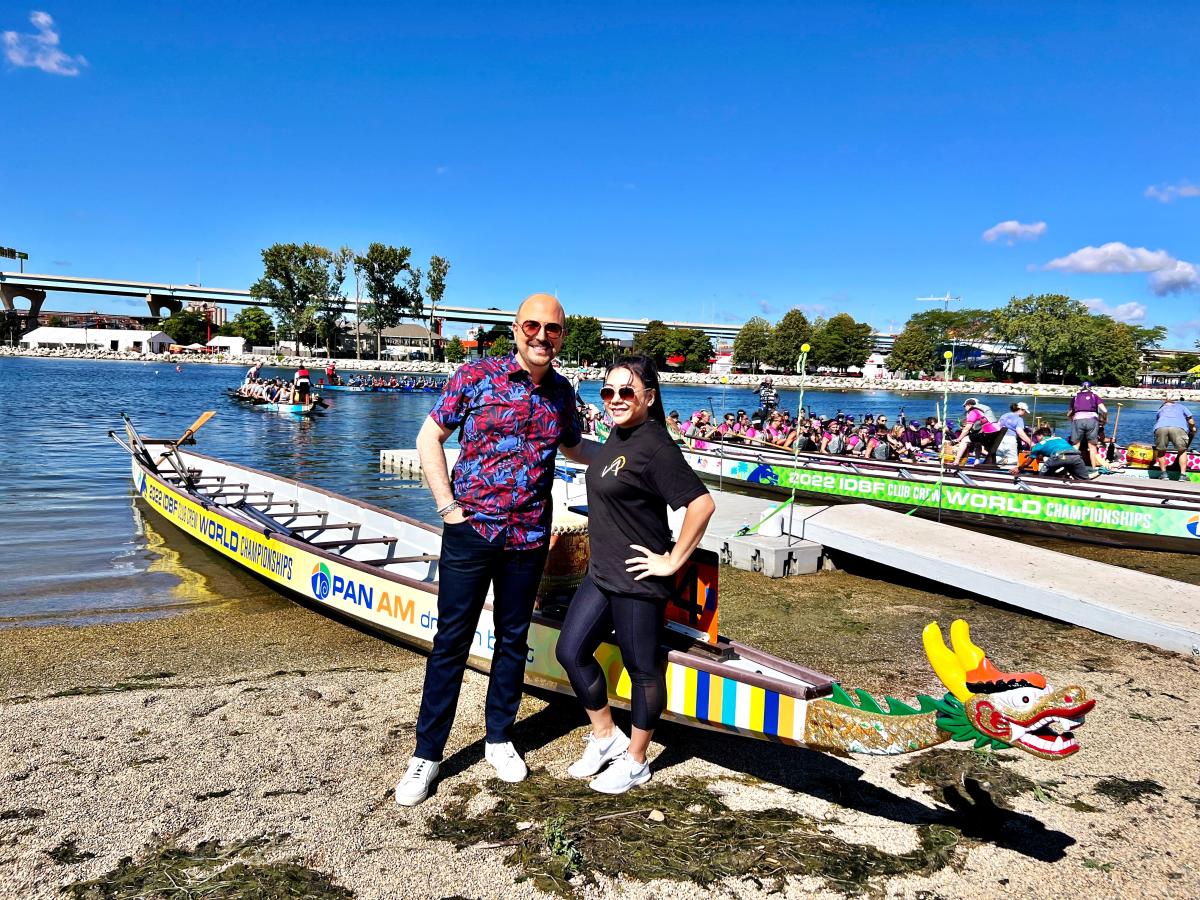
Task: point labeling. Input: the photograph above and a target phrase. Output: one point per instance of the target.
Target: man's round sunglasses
(625, 392)
(531, 327)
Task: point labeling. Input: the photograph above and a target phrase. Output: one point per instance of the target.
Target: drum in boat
(567, 560)
(1139, 456)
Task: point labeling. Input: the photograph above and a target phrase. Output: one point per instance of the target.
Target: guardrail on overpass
(171, 297)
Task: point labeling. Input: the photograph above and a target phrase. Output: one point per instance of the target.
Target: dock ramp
(1109, 599)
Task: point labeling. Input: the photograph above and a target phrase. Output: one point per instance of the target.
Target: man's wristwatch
(449, 508)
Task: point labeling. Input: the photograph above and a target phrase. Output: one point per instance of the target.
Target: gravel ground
(262, 717)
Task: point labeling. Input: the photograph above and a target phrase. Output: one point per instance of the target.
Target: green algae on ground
(943, 770)
(700, 839)
(212, 870)
(68, 853)
(1127, 790)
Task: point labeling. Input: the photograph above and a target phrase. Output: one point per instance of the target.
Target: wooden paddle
(192, 429)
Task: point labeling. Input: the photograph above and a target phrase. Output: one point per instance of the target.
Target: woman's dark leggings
(592, 616)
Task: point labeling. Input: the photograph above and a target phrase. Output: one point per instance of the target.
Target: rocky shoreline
(250, 746)
(811, 382)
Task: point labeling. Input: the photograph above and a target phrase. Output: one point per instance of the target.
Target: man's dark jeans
(469, 564)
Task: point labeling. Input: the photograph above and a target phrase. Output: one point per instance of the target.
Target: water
(75, 548)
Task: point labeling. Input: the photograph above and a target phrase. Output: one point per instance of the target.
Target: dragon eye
(1024, 698)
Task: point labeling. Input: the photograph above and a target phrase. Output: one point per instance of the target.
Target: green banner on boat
(977, 500)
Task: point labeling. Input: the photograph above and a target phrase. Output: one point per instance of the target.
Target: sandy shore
(278, 733)
(814, 382)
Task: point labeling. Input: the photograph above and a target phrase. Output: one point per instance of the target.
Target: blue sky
(678, 161)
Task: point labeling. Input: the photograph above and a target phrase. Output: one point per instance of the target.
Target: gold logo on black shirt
(614, 467)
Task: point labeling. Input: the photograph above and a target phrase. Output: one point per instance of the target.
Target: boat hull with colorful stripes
(379, 570)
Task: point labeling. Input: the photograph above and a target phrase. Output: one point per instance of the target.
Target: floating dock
(1109, 599)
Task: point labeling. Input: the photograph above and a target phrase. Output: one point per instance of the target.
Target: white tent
(112, 339)
(234, 345)
(194, 347)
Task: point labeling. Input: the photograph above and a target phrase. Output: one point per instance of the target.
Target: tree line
(836, 343)
(1059, 337)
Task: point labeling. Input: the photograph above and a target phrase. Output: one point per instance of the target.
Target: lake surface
(75, 547)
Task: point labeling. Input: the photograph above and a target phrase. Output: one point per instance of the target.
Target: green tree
(55, 322)
(186, 327)
(455, 351)
(693, 345)
(653, 342)
(1148, 337)
(750, 345)
(584, 339)
(380, 270)
(1042, 325)
(841, 343)
(791, 333)
(501, 346)
(915, 350)
(295, 282)
(1116, 357)
(439, 268)
(252, 323)
(326, 314)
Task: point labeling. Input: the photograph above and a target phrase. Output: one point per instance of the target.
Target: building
(210, 312)
(110, 339)
(410, 340)
(232, 345)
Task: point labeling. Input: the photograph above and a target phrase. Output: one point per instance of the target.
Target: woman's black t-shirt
(638, 472)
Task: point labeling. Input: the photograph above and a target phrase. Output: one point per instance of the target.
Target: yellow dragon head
(1001, 709)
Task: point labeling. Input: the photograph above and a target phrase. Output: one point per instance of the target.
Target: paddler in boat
(512, 414)
(1173, 426)
(301, 386)
(1059, 456)
(979, 428)
(637, 474)
(331, 373)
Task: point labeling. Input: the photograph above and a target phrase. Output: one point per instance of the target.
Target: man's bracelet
(449, 508)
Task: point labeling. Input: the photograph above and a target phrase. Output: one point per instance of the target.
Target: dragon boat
(379, 389)
(379, 570)
(1114, 511)
(314, 407)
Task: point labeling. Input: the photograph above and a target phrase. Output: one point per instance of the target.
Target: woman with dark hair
(637, 473)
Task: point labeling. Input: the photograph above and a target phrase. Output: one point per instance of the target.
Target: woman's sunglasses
(626, 393)
(531, 327)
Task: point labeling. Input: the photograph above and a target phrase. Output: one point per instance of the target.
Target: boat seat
(328, 526)
(352, 542)
(396, 560)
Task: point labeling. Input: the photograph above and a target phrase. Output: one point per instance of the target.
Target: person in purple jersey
(512, 414)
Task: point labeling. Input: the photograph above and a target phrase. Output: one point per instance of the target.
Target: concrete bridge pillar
(35, 296)
(159, 302)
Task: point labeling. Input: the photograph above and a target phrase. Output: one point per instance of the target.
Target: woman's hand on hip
(649, 563)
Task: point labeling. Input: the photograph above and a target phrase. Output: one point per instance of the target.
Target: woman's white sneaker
(598, 752)
(623, 774)
(419, 777)
(506, 761)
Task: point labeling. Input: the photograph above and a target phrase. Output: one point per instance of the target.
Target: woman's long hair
(643, 367)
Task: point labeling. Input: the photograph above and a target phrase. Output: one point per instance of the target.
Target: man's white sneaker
(598, 752)
(506, 761)
(623, 774)
(414, 786)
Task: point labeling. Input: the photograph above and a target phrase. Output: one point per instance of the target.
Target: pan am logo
(1193, 526)
(320, 581)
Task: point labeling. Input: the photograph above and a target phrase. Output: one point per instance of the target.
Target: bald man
(512, 414)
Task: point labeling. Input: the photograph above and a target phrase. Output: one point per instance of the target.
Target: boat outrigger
(380, 570)
(1114, 511)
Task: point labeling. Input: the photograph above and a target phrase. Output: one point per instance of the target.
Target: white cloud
(766, 306)
(1130, 312)
(40, 50)
(1168, 274)
(441, 170)
(1015, 231)
(1167, 192)
(812, 309)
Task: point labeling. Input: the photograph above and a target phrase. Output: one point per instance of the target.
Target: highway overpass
(170, 298)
